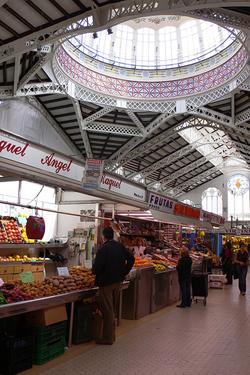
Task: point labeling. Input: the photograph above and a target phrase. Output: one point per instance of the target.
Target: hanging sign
(160, 203)
(35, 227)
(92, 174)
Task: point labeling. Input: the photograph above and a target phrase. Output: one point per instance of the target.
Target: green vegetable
(2, 299)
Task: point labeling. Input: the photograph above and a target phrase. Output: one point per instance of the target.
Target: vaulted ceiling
(146, 145)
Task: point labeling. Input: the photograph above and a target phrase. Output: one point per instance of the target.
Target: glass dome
(155, 43)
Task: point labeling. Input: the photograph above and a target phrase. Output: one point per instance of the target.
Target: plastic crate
(46, 335)
(82, 327)
(43, 354)
(7, 325)
(16, 352)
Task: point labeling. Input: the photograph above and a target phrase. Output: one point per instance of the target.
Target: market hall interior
(201, 340)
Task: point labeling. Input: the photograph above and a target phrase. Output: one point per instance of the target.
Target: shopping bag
(235, 271)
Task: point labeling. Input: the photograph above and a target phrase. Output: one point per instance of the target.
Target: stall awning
(180, 220)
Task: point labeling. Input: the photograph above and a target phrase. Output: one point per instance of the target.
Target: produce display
(139, 262)
(13, 294)
(79, 279)
(9, 232)
(15, 257)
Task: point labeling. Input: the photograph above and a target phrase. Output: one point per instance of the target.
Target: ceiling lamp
(110, 31)
(95, 35)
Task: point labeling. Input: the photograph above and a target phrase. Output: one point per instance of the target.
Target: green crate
(46, 335)
(43, 354)
(82, 327)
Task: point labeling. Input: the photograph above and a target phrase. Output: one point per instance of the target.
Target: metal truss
(41, 89)
(162, 137)
(136, 121)
(211, 115)
(84, 133)
(208, 139)
(195, 180)
(38, 106)
(242, 117)
(95, 116)
(113, 129)
(221, 16)
(220, 152)
(112, 14)
(41, 62)
(117, 159)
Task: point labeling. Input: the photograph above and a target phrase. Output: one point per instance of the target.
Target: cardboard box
(97, 326)
(48, 316)
(216, 281)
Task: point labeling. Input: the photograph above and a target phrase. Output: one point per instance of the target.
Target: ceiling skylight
(156, 42)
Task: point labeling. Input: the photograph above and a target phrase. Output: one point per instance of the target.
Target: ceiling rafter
(36, 104)
(84, 133)
(210, 138)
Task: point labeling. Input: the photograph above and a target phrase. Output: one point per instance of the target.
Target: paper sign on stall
(62, 271)
(26, 277)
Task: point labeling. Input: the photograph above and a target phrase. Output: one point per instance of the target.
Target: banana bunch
(24, 236)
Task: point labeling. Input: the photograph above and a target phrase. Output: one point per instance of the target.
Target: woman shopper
(228, 263)
(242, 260)
(184, 277)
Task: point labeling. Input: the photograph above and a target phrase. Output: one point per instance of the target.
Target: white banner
(120, 186)
(24, 152)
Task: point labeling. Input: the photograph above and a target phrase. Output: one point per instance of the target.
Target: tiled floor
(212, 339)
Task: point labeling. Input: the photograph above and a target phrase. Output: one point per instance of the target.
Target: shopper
(228, 264)
(112, 263)
(242, 260)
(184, 277)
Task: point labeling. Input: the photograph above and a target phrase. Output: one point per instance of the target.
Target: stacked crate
(82, 327)
(49, 342)
(16, 348)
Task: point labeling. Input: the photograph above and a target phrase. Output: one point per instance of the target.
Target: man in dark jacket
(112, 263)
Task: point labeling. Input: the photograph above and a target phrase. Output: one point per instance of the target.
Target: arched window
(238, 197)
(188, 201)
(211, 200)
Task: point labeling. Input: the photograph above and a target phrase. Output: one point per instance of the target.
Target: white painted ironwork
(84, 133)
(210, 138)
(40, 63)
(136, 121)
(120, 159)
(211, 115)
(95, 116)
(242, 117)
(115, 161)
(113, 129)
(36, 104)
(221, 151)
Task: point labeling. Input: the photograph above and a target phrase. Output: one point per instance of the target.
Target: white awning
(179, 220)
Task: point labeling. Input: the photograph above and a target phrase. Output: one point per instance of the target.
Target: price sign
(62, 271)
(26, 277)
(88, 263)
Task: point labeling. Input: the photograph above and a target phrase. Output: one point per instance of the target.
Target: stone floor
(212, 339)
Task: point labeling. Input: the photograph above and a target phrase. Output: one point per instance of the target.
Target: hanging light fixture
(110, 31)
(95, 35)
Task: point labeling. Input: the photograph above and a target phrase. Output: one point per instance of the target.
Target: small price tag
(88, 263)
(26, 277)
(62, 271)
